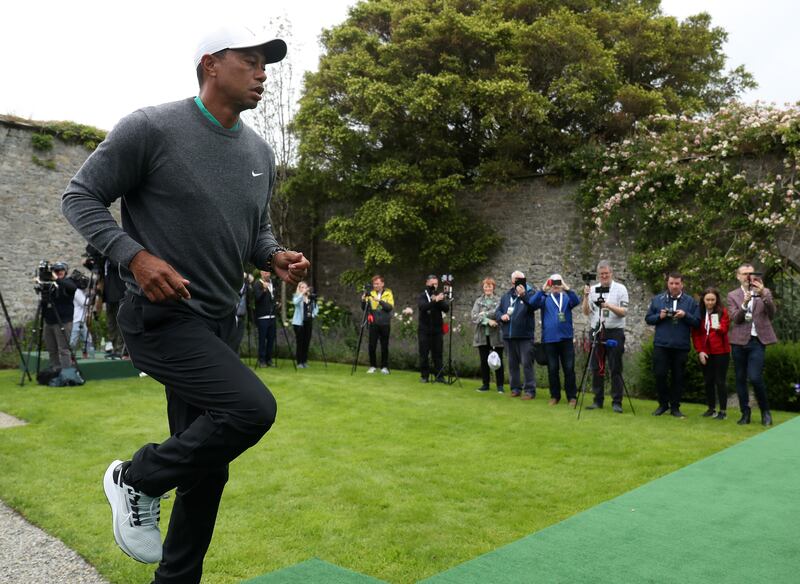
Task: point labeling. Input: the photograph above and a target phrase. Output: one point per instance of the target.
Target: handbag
(539, 354)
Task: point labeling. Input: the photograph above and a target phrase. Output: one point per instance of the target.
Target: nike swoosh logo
(254, 173)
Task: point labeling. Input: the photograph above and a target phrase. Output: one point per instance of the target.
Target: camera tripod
(45, 301)
(361, 327)
(15, 340)
(452, 373)
(596, 334)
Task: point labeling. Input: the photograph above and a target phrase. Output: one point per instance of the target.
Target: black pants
(611, 358)
(715, 372)
(266, 339)
(672, 362)
(302, 335)
(217, 409)
(379, 332)
(486, 373)
(564, 352)
(112, 328)
(432, 343)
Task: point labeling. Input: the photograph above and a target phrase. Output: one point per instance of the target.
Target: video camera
(45, 281)
(81, 280)
(367, 288)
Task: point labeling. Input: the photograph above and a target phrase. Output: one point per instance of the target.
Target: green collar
(211, 117)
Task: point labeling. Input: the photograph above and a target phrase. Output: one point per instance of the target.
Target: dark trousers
(564, 352)
(379, 332)
(302, 335)
(217, 409)
(432, 343)
(486, 373)
(672, 362)
(57, 343)
(748, 363)
(266, 339)
(715, 373)
(520, 352)
(112, 328)
(611, 359)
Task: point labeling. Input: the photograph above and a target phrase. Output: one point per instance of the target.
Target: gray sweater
(194, 194)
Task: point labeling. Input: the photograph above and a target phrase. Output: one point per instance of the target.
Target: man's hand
(546, 287)
(587, 290)
(290, 266)
(158, 280)
(680, 313)
(505, 318)
(520, 289)
(662, 314)
(439, 297)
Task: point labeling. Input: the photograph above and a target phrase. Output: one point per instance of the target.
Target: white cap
(556, 277)
(493, 360)
(239, 37)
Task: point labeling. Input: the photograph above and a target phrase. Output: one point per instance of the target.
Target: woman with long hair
(713, 349)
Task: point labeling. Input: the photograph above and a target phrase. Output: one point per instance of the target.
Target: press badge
(562, 317)
(605, 313)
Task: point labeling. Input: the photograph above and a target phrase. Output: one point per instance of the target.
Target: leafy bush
(42, 142)
(781, 374)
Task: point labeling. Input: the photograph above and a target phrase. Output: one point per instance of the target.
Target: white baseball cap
(239, 37)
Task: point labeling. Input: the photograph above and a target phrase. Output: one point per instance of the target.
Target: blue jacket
(522, 324)
(297, 317)
(554, 331)
(673, 333)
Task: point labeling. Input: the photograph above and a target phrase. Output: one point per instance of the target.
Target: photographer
(113, 293)
(81, 337)
(305, 311)
(751, 309)
(714, 351)
(265, 305)
(432, 304)
(379, 303)
(57, 310)
(487, 333)
(515, 314)
(556, 302)
(673, 313)
(607, 304)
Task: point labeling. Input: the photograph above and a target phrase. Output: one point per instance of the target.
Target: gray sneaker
(135, 517)
(385, 370)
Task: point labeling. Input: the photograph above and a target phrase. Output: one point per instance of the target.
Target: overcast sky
(92, 61)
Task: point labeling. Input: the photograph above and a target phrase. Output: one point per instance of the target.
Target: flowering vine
(701, 194)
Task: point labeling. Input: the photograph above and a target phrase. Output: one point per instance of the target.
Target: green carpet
(91, 369)
(730, 518)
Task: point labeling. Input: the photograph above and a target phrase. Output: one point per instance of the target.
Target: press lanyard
(708, 323)
(560, 302)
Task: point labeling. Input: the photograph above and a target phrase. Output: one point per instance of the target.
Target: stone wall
(31, 225)
(539, 223)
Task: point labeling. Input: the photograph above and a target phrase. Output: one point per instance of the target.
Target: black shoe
(500, 389)
(745, 419)
(423, 380)
(660, 410)
(709, 413)
(617, 408)
(721, 415)
(594, 406)
(440, 380)
(766, 418)
(676, 412)
(483, 388)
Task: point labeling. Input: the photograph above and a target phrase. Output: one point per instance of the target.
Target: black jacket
(430, 314)
(265, 302)
(61, 297)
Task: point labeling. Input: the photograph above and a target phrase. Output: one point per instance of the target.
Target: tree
(271, 119)
(416, 100)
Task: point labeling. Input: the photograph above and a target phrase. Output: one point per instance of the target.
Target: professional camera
(600, 290)
(44, 272)
(520, 282)
(313, 296)
(752, 277)
(81, 280)
(367, 288)
(587, 277)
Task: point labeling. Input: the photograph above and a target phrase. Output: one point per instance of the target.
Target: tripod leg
(628, 394)
(584, 379)
(289, 345)
(321, 346)
(15, 340)
(360, 339)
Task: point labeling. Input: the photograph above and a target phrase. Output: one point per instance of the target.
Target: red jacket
(716, 341)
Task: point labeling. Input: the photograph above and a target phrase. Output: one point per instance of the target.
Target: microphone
(611, 343)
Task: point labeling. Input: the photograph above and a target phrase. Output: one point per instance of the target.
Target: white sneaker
(371, 370)
(135, 517)
(385, 370)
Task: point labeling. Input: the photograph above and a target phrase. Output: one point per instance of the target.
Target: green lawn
(381, 475)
